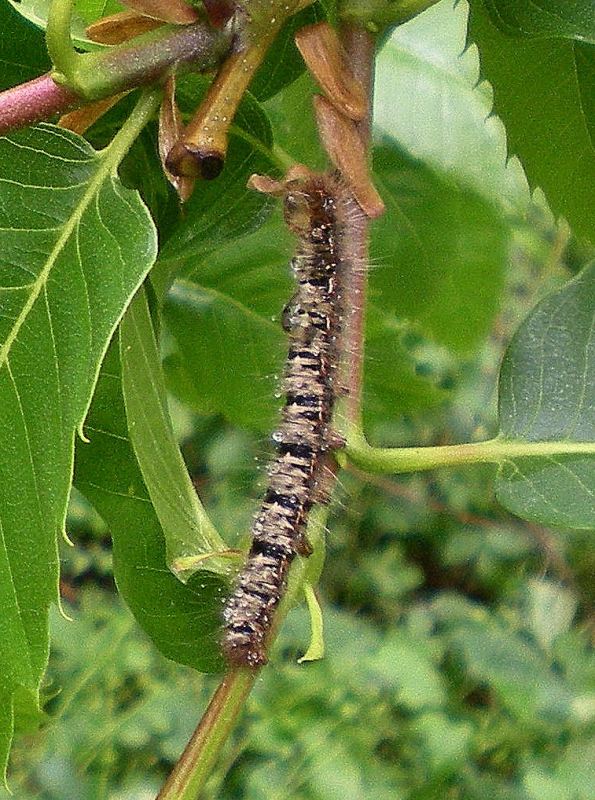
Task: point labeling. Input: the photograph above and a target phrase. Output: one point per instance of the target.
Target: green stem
(202, 751)
(141, 114)
(59, 42)
(415, 459)
(145, 58)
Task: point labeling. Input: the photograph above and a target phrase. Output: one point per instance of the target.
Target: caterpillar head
(297, 209)
(305, 196)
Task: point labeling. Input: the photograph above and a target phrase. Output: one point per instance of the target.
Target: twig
(33, 101)
(359, 45)
(202, 751)
(138, 62)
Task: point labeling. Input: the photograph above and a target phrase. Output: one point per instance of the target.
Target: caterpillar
(316, 209)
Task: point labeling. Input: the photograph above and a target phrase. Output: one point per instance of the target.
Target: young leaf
(547, 393)
(183, 620)
(548, 125)
(69, 232)
(186, 527)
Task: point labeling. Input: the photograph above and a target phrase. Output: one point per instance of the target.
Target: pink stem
(33, 101)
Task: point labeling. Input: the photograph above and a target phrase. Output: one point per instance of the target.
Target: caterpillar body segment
(317, 209)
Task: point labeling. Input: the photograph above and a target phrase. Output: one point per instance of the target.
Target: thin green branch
(416, 459)
(59, 42)
(202, 751)
(143, 60)
(146, 58)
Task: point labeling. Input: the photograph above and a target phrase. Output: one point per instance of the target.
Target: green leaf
(438, 258)
(521, 678)
(183, 620)
(404, 663)
(22, 49)
(429, 101)
(573, 19)
(445, 743)
(539, 88)
(225, 208)
(85, 12)
(542, 785)
(547, 393)
(69, 232)
(439, 253)
(292, 110)
(230, 349)
(187, 529)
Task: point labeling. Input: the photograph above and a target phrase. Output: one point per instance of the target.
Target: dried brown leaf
(120, 27)
(176, 11)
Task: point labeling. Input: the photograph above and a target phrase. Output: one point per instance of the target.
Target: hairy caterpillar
(316, 210)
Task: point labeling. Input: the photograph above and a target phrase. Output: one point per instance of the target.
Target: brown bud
(326, 59)
(346, 150)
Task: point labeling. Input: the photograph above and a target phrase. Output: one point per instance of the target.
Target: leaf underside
(183, 620)
(547, 393)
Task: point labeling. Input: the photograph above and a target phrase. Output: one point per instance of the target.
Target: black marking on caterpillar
(317, 210)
